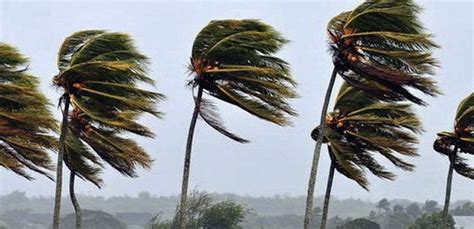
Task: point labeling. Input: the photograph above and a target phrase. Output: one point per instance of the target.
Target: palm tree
(451, 144)
(233, 61)
(379, 47)
(99, 73)
(25, 118)
(361, 126)
(384, 204)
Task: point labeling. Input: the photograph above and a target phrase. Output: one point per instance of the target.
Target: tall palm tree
(25, 118)
(233, 61)
(99, 74)
(361, 126)
(379, 47)
(452, 144)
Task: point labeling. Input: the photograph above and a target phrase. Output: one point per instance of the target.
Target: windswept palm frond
(461, 140)
(82, 160)
(101, 73)
(361, 126)
(233, 61)
(381, 47)
(26, 122)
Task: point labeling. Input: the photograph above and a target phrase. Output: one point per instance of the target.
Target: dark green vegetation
(25, 118)
(233, 61)
(203, 213)
(433, 221)
(92, 220)
(99, 75)
(360, 224)
(381, 48)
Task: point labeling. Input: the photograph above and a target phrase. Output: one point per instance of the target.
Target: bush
(225, 214)
(432, 221)
(360, 223)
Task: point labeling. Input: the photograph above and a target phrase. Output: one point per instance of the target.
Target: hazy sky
(277, 161)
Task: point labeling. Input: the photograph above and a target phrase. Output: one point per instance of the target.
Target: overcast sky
(277, 161)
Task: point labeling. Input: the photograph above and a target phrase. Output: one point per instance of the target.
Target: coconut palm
(25, 119)
(452, 144)
(233, 61)
(361, 126)
(99, 74)
(379, 47)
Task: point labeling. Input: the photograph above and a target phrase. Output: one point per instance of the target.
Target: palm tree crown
(100, 72)
(25, 118)
(381, 47)
(232, 60)
(360, 126)
(462, 139)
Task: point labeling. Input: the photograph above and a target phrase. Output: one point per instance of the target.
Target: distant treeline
(166, 205)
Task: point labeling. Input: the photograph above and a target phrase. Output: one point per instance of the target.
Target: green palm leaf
(26, 121)
(232, 60)
(461, 140)
(101, 73)
(381, 47)
(361, 126)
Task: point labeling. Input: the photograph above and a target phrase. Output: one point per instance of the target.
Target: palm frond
(465, 113)
(361, 126)
(461, 140)
(208, 112)
(462, 167)
(26, 121)
(383, 41)
(123, 154)
(80, 159)
(101, 72)
(233, 61)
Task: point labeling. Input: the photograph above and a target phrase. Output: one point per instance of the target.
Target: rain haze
(277, 161)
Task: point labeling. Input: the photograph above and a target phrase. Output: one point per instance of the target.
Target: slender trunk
(59, 166)
(328, 196)
(187, 163)
(317, 153)
(448, 188)
(75, 203)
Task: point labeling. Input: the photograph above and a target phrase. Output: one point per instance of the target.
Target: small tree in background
(360, 223)
(383, 204)
(204, 214)
(433, 221)
(413, 210)
(431, 207)
(225, 214)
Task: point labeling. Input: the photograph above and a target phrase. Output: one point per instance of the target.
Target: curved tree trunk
(75, 203)
(317, 153)
(59, 166)
(187, 163)
(328, 196)
(448, 188)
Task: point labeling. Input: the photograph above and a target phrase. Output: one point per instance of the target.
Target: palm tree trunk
(187, 163)
(317, 153)
(448, 188)
(75, 203)
(59, 166)
(328, 196)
